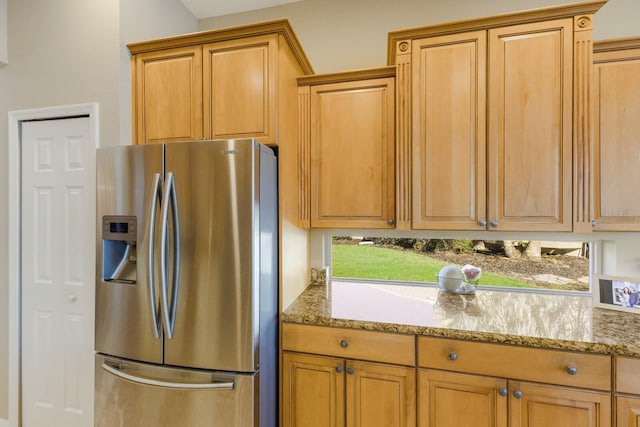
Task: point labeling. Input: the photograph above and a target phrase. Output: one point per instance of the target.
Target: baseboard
(4, 423)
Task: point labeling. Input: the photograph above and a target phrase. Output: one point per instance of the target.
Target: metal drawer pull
(344, 344)
(503, 392)
(517, 394)
(572, 370)
(351, 371)
(339, 369)
(149, 381)
(453, 356)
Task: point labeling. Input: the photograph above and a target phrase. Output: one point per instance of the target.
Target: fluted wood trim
(523, 17)
(304, 161)
(278, 26)
(582, 123)
(403, 137)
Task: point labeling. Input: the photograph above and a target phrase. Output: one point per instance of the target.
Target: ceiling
(209, 8)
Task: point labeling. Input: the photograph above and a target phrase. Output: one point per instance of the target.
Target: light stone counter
(565, 322)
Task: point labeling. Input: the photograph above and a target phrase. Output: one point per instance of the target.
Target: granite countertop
(543, 320)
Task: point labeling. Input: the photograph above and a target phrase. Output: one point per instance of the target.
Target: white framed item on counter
(617, 293)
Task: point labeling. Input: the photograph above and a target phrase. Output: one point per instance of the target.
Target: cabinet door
(240, 89)
(534, 405)
(352, 154)
(448, 399)
(312, 391)
(449, 121)
(380, 395)
(530, 126)
(627, 411)
(616, 175)
(167, 95)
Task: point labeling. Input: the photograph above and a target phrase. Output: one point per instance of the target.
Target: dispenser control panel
(119, 227)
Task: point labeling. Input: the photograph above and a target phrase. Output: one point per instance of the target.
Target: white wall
(3, 32)
(340, 35)
(71, 52)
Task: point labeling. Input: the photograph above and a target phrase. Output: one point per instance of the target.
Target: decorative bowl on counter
(459, 280)
(450, 278)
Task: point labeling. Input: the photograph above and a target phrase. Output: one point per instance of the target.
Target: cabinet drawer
(349, 343)
(547, 366)
(627, 375)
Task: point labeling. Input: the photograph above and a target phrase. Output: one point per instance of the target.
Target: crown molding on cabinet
(521, 17)
(278, 26)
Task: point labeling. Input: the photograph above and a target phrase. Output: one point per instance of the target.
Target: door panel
(124, 319)
(627, 411)
(449, 170)
(57, 272)
(168, 97)
(380, 395)
(125, 403)
(239, 89)
(352, 121)
(552, 406)
(616, 148)
(449, 399)
(530, 126)
(216, 323)
(313, 391)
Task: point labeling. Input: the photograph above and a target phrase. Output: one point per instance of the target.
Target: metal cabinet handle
(339, 369)
(482, 223)
(503, 392)
(517, 394)
(391, 222)
(593, 223)
(453, 356)
(495, 223)
(351, 371)
(344, 343)
(572, 370)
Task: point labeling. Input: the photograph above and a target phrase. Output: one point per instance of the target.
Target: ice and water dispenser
(119, 248)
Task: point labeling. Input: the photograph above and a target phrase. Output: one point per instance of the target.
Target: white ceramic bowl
(450, 278)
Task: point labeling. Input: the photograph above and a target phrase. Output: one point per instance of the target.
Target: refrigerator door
(126, 321)
(216, 311)
(132, 394)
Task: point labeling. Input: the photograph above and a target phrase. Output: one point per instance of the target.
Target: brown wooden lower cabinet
(450, 399)
(321, 391)
(555, 406)
(627, 398)
(627, 411)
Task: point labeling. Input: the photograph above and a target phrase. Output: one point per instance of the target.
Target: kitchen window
(534, 265)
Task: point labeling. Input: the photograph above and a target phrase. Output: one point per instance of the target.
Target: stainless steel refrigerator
(186, 286)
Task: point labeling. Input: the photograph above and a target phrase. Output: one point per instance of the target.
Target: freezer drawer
(131, 394)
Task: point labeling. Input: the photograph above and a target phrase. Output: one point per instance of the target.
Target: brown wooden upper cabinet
(616, 176)
(230, 83)
(346, 123)
(493, 115)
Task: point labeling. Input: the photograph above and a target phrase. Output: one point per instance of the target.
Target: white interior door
(58, 263)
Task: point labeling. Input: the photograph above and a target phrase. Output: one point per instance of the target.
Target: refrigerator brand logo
(232, 152)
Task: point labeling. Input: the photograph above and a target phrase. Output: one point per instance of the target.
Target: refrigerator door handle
(169, 314)
(120, 372)
(176, 254)
(155, 198)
